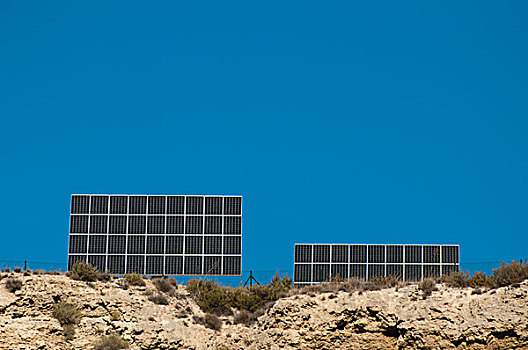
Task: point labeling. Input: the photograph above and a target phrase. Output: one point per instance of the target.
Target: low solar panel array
(157, 234)
(315, 263)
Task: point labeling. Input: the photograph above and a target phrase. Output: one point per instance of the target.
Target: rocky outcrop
(387, 319)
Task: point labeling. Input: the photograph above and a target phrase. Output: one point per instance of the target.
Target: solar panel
(157, 234)
(315, 263)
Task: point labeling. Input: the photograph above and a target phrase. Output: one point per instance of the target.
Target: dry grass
(13, 284)
(111, 342)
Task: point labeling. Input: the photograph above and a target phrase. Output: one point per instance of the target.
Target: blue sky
(378, 122)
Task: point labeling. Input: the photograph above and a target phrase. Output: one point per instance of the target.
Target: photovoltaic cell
(156, 224)
(79, 224)
(97, 244)
(213, 245)
(78, 244)
(358, 253)
(117, 244)
(303, 253)
(136, 224)
(320, 272)
(156, 204)
(98, 261)
(194, 205)
(395, 254)
(193, 265)
(116, 263)
(118, 224)
(175, 204)
(431, 254)
(174, 224)
(212, 265)
(136, 264)
(321, 253)
(99, 205)
(213, 225)
(232, 225)
(174, 265)
(155, 245)
(375, 270)
(80, 205)
(376, 254)
(174, 244)
(213, 205)
(193, 245)
(137, 204)
(118, 204)
(98, 224)
(340, 270)
(303, 273)
(340, 253)
(232, 205)
(232, 245)
(194, 225)
(154, 265)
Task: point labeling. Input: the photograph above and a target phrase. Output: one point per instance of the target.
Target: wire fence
(259, 275)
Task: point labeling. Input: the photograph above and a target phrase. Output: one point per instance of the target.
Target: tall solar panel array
(315, 263)
(157, 234)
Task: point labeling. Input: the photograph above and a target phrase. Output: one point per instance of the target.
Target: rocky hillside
(386, 319)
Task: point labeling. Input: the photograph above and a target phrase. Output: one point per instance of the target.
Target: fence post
(25, 265)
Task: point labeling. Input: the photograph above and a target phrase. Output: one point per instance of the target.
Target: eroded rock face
(387, 319)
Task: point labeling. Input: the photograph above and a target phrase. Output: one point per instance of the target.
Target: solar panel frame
(316, 262)
(124, 233)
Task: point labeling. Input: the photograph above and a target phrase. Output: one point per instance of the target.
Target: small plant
(427, 286)
(134, 279)
(476, 291)
(115, 315)
(17, 269)
(111, 342)
(68, 316)
(173, 281)
(123, 284)
(159, 299)
(163, 285)
(7, 269)
(209, 321)
(82, 271)
(13, 284)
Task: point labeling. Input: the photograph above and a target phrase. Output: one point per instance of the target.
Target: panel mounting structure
(157, 235)
(314, 263)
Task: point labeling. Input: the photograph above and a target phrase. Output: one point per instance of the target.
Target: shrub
(115, 315)
(209, 321)
(427, 286)
(111, 342)
(506, 275)
(134, 279)
(82, 271)
(173, 281)
(158, 298)
(68, 316)
(123, 284)
(17, 269)
(213, 298)
(66, 313)
(13, 284)
(7, 269)
(457, 279)
(244, 317)
(163, 285)
(478, 279)
(69, 331)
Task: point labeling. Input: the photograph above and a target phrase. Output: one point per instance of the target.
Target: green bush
(134, 279)
(13, 284)
(507, 275)
(82, 271)
(111, 342)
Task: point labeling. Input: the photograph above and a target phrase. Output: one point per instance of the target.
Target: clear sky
(373, 122)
